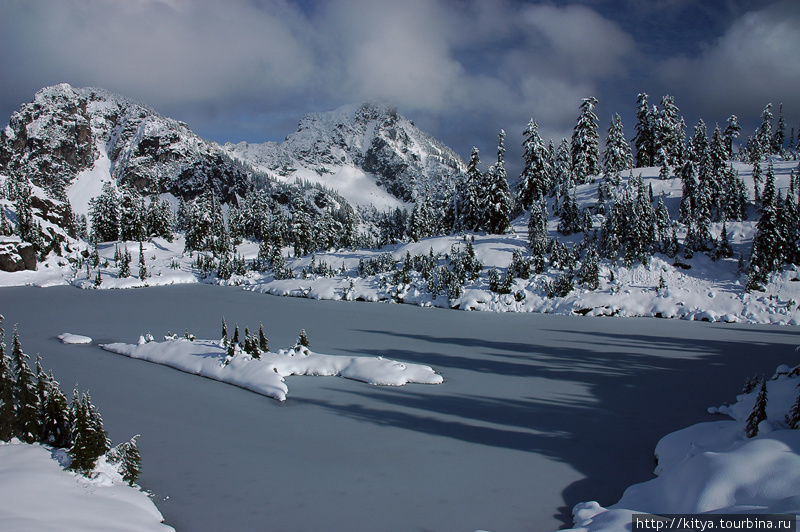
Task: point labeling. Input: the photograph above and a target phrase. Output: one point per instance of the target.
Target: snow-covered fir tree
(584, 147)
(104, 212)
(537, 169)
(644, 141)
(759, 412)
(127, 455)
(496, 215)
(132, 215)
(617, 156)
(27, 402)
(90, 440)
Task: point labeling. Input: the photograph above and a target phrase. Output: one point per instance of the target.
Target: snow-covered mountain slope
(370, 154)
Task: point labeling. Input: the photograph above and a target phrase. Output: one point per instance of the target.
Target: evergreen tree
(132, 215)
(780, 132)
(27, 401)
(224, 336)
(235, 339)
(537, 168)
(584, 151)
(104, 211)
(589, 274)
(764, 134)
(768, 253)
(142, 263)
(263, 343)
(55, 419)
(617, 155)
(669, 135)
(302, 339)
(90, 440)
(499, 203)
(793, 418)
(467, 197)
(731, 133)
(8, 393)
(129, 459)
(125, 262)
(759, 412)
(644, 141)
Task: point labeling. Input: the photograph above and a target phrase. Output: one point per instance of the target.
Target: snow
(266, 375)
(714, 468)
(88, 184)
(69, 338)
(38, 494)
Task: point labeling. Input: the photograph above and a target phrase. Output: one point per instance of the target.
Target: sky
(248, 70)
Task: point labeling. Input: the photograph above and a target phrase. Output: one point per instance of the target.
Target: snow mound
(265, 375)
(714, 468)
(69, 338)
(37, 494)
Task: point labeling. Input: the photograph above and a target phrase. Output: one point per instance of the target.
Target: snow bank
(266, 375)
(714, 468)
(37, 494)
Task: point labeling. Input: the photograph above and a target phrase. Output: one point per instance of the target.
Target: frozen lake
(536, 413)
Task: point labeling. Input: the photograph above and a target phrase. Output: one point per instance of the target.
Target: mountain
(68, 137)
(65, 132)
(370, 154)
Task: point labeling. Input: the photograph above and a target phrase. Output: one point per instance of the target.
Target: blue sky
(250, 69)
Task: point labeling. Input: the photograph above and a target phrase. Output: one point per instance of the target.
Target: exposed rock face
(16, 256)
(64, 130)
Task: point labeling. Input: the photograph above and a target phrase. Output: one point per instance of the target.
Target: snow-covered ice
(69, 338)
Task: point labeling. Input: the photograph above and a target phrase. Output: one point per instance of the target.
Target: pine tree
(537, 170)
(263, 343)
(732, 129)
(104, 211)
(499, 203)
(467, 206)
(224, 336)
(132, 215)
(8, 393)
(759, 412)
(27, 401)
(142, 263)
(764, 136)
(669, 135)
(90, 440)
(125, 263)
(768, 253)
(584, 151)
(55, 419)
(644, 141)
(302, 339)
(589, 274)
(780, 132)
(793, 418)
(617, 155)
(129, 459)
(235, 339)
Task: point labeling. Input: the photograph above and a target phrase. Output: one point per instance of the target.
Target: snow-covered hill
(369, 154)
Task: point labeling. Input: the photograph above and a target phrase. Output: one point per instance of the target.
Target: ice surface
(536, 413)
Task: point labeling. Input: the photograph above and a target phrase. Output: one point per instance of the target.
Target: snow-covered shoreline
(714, 468)
(692, 289)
